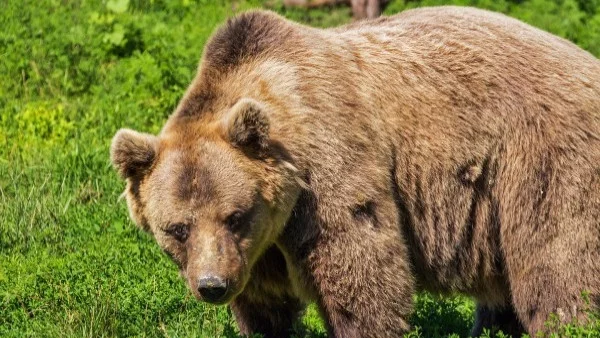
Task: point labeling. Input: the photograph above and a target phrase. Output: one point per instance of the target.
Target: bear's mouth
(219, 301)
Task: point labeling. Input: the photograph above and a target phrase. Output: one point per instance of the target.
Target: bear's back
(474, 63)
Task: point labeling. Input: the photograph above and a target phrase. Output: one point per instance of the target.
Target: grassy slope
(71, 74)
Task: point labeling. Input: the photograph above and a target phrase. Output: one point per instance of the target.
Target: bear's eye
(179, 231)
(235, 220)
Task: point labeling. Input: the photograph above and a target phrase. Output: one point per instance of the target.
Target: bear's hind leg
(495, 320)
(543, 291)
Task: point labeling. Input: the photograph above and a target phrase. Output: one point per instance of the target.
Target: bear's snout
(212, 288)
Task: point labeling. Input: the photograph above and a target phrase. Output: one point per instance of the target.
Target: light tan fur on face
(447, 149)
(161, 197)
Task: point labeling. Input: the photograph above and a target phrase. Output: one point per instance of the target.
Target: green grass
(71, 74)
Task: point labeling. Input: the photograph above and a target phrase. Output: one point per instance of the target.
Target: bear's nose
(212, 288)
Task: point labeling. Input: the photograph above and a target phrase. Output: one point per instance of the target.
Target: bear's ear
(247, 125)
(132, 153)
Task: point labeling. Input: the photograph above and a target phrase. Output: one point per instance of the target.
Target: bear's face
(214, 194)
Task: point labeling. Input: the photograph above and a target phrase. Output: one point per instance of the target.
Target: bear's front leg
(363, 281)
(270, 317)
(267, 306)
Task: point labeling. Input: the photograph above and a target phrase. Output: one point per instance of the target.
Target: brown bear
(445, 149)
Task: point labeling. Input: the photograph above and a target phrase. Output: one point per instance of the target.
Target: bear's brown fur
(446, 149)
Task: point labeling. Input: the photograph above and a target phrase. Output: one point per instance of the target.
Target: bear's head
(215, 193)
